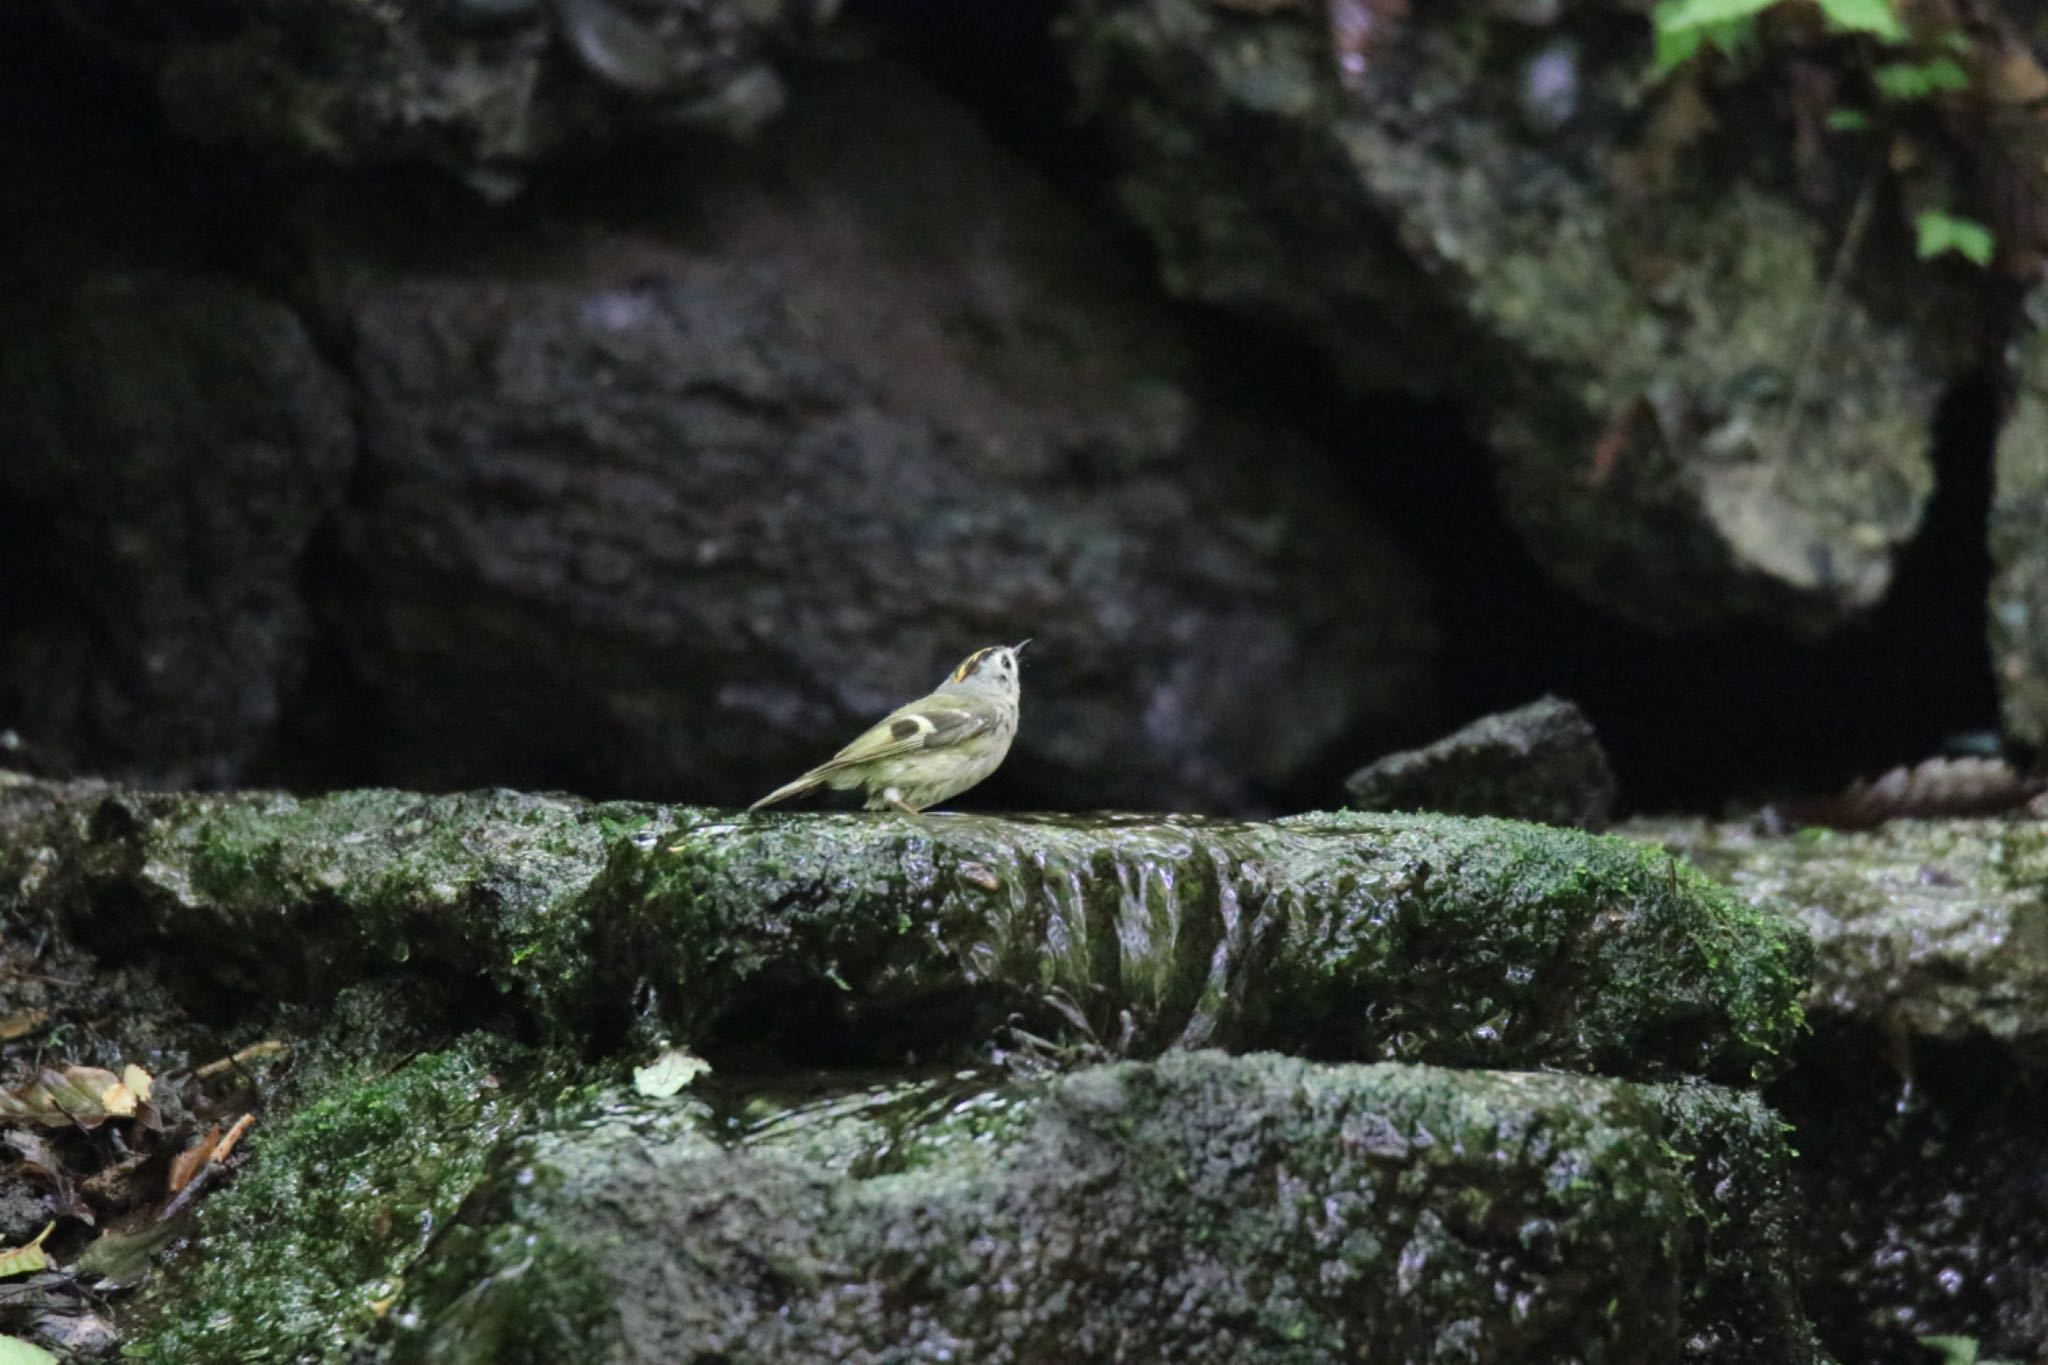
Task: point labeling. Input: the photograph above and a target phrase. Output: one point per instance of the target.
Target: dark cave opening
(1692, 722)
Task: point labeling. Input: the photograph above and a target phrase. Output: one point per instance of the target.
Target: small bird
(933, 748)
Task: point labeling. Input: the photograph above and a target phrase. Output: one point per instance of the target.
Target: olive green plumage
(931, 749)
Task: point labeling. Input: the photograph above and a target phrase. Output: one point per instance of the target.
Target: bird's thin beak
(1018, 648)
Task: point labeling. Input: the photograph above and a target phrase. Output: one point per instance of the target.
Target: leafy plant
(1916, 70)
(1919, 80)
(1683, 27)
(1959, 1351)
(1936, 232)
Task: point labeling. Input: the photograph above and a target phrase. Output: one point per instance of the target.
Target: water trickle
(1339, 934)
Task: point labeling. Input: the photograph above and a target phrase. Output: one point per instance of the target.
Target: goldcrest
(932, 749)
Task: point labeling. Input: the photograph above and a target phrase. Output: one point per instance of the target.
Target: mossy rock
(864, 937)
(1345, 935)
(278, 898)
(1201, 1207)
(315, 1236)
(1926, 928)
(1918, 1095)
(1630, 306)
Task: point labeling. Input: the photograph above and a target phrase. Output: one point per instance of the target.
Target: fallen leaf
(15, 1351)
(22, 1023)
(39, 1159)
(119, 1256)
(25, 1260)
(138, 1082)
(84, 1095)
(187, 1163)
(669, 1073)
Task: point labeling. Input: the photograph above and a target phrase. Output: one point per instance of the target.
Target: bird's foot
(893, 799)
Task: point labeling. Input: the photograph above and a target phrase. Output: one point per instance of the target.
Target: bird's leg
(893, 799)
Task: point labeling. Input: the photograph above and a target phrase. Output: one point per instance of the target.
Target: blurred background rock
(633, 396)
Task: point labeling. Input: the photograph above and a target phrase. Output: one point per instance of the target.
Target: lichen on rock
(1691, 426)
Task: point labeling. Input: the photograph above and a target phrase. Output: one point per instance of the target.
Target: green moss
(296, 897)
(1353, 935)
(517, 1290)
(1742, 1285)
(1350, 935)
(1479, 941)
(1203, 1206)
(1934, 927)
(332, 1208)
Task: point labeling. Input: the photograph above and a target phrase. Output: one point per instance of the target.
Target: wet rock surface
(1351, 936)
(1689, 427)
(401, 1167)
(1935, 928)
(1345, 935)
(1539, 762)
(1198, 1208)
(1916, 1101)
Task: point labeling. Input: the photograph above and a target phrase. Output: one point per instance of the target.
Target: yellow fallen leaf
(138, 1082)
(116, 1099)
(25, 1260)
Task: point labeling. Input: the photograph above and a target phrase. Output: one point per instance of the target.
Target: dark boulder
(676, 513)
(1692, 426)
(1538, 762)
(169, 445)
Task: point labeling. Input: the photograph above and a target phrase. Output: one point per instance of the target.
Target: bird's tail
(796, 788)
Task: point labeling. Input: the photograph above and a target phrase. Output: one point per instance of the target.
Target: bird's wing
(932, 723)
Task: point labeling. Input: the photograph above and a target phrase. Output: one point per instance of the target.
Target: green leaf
(1848, 121)
(1875, 17)
(25, 1260)
(1918, 80)
(1682, 27)
(1674, 48)
(15, 1351)
(1676, 15)
(1954, 1350)
(1938, 232)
